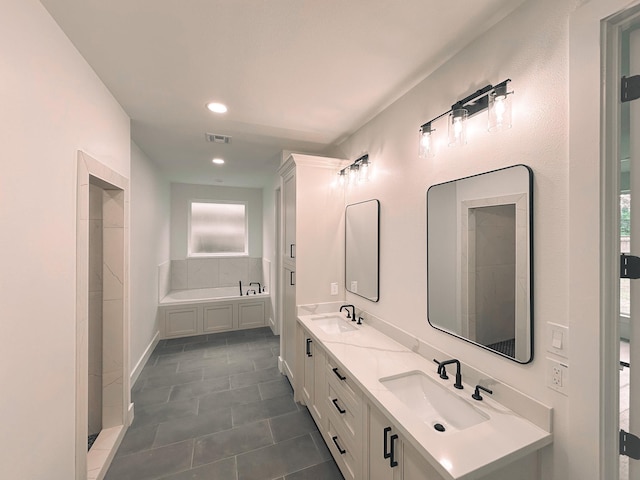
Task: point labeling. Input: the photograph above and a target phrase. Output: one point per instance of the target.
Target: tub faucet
(257, 283)
(251, 290)
(349, 315)
(443, 372)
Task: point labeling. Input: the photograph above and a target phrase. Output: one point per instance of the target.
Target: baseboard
(144, 359)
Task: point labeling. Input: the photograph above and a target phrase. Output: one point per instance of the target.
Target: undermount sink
(432, 403)
(333, 324)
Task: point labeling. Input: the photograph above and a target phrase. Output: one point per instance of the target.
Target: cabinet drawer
(343, 384)
(343, 450)
(343, 412)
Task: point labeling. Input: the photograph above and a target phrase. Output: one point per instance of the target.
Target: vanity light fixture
(495, 99)
(355, 173)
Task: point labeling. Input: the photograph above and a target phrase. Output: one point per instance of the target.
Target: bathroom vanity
(385, 414)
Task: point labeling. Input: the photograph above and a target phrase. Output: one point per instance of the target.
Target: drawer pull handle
(386, 452)
(335, 370)
(291, 254)
(335, 404)
(392, 459)
(291, 279)
(340, 449)
(309, 347)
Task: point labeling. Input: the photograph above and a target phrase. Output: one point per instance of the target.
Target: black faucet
(257, 283)
(443, 372)
(476, 394)
(346, 307)
(251, 290)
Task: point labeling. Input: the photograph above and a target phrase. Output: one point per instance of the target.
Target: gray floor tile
(252, 378)
(179, 357)
(197, 389)
(321, 446)
(252, 412)
(158, 370)
(164, 412)
(277, 460)
(228, 398)
(254, 354)
(186, 340)
(220, 369)
(275, 388)
(323, 471)
(137, 439)
(203, 363)
(292, 425)
(267, 363)
(150, 396)
(231, 442)
(221, 470)
(151, 464)
(192, 427)
(174, 379)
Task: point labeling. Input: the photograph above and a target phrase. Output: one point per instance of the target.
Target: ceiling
(298, 75)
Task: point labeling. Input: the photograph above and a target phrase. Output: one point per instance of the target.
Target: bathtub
(199, 311)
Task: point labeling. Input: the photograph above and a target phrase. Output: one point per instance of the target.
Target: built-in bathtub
(198, 311)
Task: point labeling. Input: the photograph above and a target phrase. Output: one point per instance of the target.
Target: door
(630, 243)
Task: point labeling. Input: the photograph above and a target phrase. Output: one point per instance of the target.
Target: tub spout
(257, 283)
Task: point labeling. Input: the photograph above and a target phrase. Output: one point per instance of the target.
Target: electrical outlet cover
(557, 376)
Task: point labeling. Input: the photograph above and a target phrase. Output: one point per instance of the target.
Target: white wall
(531, 47)
(182, 193)
(150, 198)
(53, 104)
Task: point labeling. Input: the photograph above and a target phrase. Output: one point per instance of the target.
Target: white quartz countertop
(368, 355)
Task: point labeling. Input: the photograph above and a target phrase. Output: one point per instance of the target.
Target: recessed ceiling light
(217, 107)
(218, 161)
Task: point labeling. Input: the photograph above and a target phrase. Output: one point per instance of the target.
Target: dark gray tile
(252, 412)
(179, 357)
(164, 412)
(192, 427)
(323, 471)
(279, 459)
(222, 470)
(231, 442)
(185, 340)
(212, 343)
(203, 363)
(321, 446)
(197, 389)
(175, 379)
(292, 425)
(150, 396)
(151, 464)
(137, 439)
(165, 349)
(158, 370)
(254, 354)
(228, 398)
(275, 388)
(267, 363)
(252, 378)
(225, 369)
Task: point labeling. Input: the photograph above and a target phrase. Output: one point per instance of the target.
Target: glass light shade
(363, 174)
(342, 178)
(458, 127)
(425, 145)
(499, 110)
(353, 174)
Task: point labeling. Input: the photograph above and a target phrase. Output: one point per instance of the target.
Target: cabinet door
(218, 317)
(289, 325)
(414, 465)
(308, 380)
(289, 215)
(251, 315)
(180, 321)
(381, 441)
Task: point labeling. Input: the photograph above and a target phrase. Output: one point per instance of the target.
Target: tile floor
(216, 407)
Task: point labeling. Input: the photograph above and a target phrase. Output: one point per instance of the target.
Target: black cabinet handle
(335, 370)
(291, 254)
(309, 347)
(392, 459)
(386, 452)
(340, 449)
(335, 404)
(291, 274)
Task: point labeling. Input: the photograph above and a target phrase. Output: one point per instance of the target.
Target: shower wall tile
(202, 272)
(164, 279)
(95, 255)
(95, 202)
(112, 208)
(179, 275)
(255, 270)
(113, 266)
(232, 270)
(112, 367)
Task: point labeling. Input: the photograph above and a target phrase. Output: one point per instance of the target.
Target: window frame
(245, 253)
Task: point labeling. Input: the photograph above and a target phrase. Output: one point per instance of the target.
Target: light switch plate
(334, 289)
(558, 339)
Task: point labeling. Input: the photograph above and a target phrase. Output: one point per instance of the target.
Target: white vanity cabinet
(311, 381)
(311, 237)
(389, 456)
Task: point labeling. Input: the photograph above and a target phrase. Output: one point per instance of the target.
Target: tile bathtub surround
(216, 406)
(214, 272)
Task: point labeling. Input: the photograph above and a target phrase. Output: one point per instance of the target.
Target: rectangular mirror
(362, 249)
(479, 260)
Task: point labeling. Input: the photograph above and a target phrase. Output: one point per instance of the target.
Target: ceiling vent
(215, 138)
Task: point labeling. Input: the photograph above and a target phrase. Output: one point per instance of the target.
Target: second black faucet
(443, 372)
(351, 315)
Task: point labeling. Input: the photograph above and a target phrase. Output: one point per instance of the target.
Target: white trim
(137, 370)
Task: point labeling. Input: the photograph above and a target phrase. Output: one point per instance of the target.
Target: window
(217, 229)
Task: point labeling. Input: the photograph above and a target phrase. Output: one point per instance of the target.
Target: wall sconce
(495, 99)
(355, 173)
